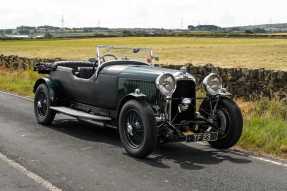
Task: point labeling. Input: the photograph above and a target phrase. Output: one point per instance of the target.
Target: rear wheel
(44, 115)
(137, 130)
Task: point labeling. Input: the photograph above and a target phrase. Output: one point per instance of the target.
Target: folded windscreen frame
(111, 53)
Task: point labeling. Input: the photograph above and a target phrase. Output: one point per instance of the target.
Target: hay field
(225, 52)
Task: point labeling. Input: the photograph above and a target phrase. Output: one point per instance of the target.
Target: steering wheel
(104, 57)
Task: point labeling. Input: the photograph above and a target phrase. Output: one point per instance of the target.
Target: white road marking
(270, 161)
(36, 178)
(278, 163)
(200, 143)
(15, 95)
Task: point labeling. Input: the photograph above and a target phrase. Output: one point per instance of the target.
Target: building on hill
(47, 28)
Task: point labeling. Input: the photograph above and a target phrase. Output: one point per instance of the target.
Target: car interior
(86, 69)
(81, 69)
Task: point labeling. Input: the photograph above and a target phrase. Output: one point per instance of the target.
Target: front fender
(135, 96)
(209, 101)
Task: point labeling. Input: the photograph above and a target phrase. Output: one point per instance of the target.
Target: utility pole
(62, 22)
(271, 25)
(181, 23)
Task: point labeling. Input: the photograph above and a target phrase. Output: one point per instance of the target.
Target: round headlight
(166, 84)
(212, 83)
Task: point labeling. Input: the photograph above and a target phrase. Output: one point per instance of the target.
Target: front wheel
(230, 123)
(137, 130)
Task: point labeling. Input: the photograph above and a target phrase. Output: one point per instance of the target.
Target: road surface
(74, 156)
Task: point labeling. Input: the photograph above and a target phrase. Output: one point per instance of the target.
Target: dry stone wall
(16, 62)
(241, 82)
(246, 83)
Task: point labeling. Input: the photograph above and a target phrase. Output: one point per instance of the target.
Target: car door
(75, 88)
(99, 91)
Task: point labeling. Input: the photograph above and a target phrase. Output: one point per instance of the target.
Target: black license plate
(199, 137)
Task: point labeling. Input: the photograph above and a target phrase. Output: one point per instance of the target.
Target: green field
(225, 52)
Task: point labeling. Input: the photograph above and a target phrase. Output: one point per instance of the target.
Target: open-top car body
(149, 105)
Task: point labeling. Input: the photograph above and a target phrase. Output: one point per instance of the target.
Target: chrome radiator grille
(185, 89)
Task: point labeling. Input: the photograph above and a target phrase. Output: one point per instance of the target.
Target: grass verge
(265, 127)
(20, 82)
(265, 121)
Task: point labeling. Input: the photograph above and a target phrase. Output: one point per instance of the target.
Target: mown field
(225, 52)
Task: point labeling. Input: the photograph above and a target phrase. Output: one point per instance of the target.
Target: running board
(80, 114)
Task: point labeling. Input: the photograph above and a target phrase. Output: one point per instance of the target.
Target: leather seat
(84, 72)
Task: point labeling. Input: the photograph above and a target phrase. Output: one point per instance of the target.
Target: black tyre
(44, 115)
(230, 122)
(137, 130)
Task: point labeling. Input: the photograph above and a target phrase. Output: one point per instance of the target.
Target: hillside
(279, 27)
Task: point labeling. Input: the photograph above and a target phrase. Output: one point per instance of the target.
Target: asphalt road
(75, 156)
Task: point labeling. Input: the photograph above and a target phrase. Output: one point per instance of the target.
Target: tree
(48, 35)
(127, 33)
(249, 31)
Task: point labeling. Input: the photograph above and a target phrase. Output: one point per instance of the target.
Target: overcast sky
(141, 13)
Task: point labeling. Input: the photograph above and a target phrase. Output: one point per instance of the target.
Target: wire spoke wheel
(222, 120)
(229, 122)
(134, 129)
(42, 104)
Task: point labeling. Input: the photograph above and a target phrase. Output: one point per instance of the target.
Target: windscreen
(109, 53)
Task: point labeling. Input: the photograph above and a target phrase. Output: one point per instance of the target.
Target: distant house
(17, 36)
(47, 28)
(39, 36)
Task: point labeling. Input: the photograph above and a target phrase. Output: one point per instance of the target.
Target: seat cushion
(84, 72)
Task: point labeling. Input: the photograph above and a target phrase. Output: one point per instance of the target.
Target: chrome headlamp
(212, 84)
(166, 84)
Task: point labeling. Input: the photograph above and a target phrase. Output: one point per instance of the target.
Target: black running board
(80, 114)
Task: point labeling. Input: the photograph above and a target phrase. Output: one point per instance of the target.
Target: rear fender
(53, 88)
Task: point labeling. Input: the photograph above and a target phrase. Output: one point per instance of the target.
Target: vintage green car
(149, 105)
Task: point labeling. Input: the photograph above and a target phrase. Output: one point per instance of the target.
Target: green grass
(225, 52)
(20, 82)
(265, 127)
(265, 135)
